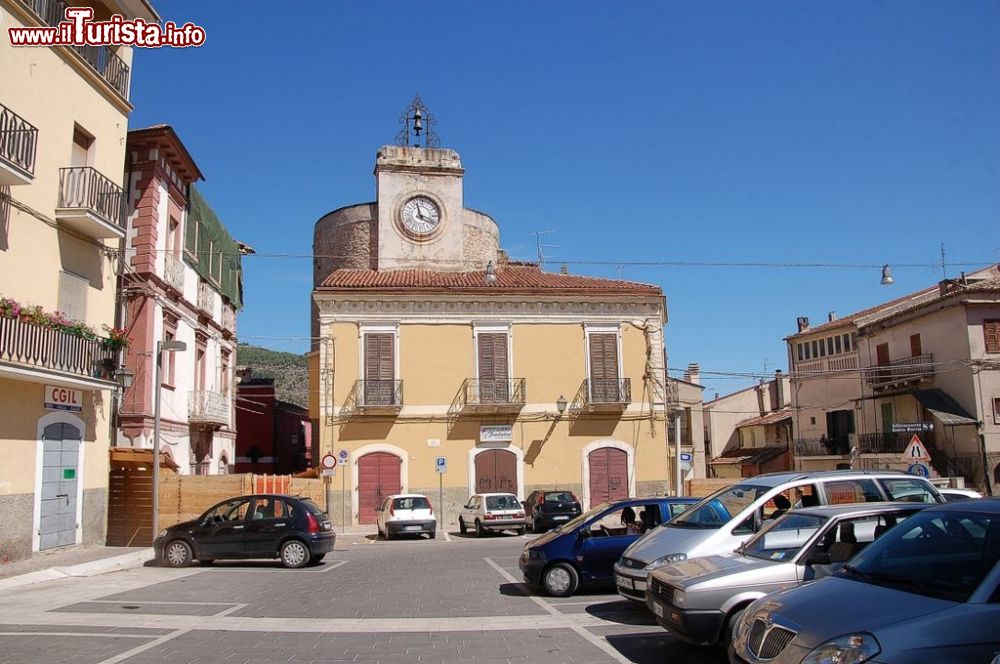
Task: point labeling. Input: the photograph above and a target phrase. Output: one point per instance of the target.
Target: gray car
(926, 591)
(700, 599)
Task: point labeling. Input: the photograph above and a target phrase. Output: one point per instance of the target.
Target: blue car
(586, 549)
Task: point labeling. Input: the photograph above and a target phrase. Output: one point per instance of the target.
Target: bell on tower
(417, 120)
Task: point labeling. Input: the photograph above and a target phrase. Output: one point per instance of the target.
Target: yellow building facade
(63, 121)
(434, 351)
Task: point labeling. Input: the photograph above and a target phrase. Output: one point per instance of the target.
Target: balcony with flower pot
(42, 347)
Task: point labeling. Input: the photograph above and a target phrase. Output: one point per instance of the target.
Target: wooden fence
(704, 487)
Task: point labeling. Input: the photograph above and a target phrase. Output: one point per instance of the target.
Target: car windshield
(411, 503)
(502, 503)
(560, 497)
(910, 490)
(783, 538)
(719, 508)
(938, 554)
(586, 516)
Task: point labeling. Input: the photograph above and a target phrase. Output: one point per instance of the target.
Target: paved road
(453, 599)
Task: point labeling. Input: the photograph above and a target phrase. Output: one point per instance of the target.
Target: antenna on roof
(540, 246)
(944, 268)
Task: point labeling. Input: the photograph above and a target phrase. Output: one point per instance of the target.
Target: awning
(944, 408)
(763, 420)
(742, 455)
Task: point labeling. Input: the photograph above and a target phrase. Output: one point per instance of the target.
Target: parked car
(954, 495)
(926, 591)
(410, 513)
(585, 549)
(492, 512)
(700, 599)
(295, 530)
(724, 520)
(548, 509)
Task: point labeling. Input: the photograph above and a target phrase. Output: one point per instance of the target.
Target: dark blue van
(586, 549)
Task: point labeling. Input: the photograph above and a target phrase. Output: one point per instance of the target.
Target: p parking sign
(441, 464)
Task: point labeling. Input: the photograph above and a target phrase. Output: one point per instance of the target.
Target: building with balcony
(182, 282)
(431, 343)
(930, 360)
(63, 118)
(749, 432)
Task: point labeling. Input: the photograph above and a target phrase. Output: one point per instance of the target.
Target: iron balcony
(90, 203)
(43, 354)
(18, 146)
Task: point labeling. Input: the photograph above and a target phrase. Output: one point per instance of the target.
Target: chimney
(779, 388)
(693, 373)
(564, 269)
(832, 316)
(803, 323)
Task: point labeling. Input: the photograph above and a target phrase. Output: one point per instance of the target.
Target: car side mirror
(819, 558)
(583, 533)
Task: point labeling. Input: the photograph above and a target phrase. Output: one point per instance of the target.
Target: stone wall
(15, 526)
(95, 515)
(343, 240)
(480, 238)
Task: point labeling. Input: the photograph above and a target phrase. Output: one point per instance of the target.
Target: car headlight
(679, 598)
(666, 560)
(536, 554)
(849, 649)
(163, 533)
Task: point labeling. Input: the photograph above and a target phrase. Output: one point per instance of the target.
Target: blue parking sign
(441, 464)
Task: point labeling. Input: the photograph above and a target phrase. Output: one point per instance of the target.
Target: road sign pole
(328, 486)
(441, 496)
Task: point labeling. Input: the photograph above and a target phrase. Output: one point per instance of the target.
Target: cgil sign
(61, 398)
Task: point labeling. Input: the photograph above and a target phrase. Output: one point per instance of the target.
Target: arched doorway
(59, 486)
(378, 476)
(608, 474)
(496, 471)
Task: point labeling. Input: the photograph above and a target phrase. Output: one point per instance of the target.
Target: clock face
(421, 215)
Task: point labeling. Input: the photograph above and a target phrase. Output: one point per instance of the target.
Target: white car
(954, 495)
(492, 511)
(409, 513)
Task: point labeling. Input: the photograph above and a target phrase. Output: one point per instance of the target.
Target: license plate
(640, 585)
(413, 528)
(658, 610)
(623, 582)
(560, 518)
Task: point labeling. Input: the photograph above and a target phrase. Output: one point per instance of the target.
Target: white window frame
(378, 328)
(504, 328)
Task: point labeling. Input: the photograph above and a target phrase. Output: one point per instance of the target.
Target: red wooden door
(496, 471)
(378, 477)
(608, 475)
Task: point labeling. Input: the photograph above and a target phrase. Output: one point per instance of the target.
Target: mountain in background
(289, 371)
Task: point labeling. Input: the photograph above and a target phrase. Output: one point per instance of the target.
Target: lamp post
(169, 346)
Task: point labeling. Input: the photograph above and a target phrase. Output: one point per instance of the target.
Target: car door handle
(238, 527)
(282, 524)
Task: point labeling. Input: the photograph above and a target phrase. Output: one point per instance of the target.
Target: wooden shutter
(991, 330)
(493, 386)
(915, 349)
(882, 355)
(604, 367)
(379, 369)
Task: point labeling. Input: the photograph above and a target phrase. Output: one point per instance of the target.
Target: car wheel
(480, 531)
(177, 554)
(536, 526)
(522, 530)
(294, 554)
(431, 534)
(461, 526)
(560, 580)
(729, 629)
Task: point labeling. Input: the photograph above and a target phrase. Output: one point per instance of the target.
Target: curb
(91, 568)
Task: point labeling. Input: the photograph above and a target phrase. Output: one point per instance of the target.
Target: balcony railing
(820, 366)
(83, 194)
(208, 407)
(602, 394)
(374, 396)
(900, 371)
(111, 68)
(38, 347)
(173, 271)
(811, 447)
(493, 393)
(206, 298)
(18, 145)
(890, 443)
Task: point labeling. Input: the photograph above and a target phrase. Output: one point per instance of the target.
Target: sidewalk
(72, 561)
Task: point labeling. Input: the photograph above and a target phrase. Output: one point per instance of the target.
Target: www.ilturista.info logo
(79, 29)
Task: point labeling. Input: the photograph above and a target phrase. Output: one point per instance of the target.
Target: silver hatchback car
(926, 591)
(700, 599)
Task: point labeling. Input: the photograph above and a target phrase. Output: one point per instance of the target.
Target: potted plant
(117, 338)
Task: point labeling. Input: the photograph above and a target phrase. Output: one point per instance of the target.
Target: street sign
(915, 452)
(441, 464)
(329, 472)
(912, 427)
(919, 469)
(686, 457)
(496, 433)
(344, 455)
(329, 462)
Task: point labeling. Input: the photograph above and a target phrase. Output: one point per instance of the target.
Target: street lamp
(561, 404)
(169, 346)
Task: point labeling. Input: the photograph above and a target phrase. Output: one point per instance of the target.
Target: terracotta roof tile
(512, 278)
(769, 418)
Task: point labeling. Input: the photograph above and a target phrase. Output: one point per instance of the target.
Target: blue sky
(781, 131)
